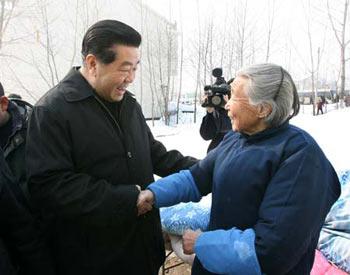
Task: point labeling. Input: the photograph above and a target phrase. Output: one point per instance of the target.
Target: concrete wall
(43, 40)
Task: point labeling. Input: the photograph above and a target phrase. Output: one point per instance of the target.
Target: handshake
(145, 202)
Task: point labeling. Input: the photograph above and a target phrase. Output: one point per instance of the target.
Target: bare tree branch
(342, 44)
(270, 20)
(19, 81)
(332, 23)
(5, 18)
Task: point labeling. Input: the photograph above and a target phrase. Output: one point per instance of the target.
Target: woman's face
(245, 118)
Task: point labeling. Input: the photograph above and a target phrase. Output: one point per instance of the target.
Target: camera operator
(215, 123)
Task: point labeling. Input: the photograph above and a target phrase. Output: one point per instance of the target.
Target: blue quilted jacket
(277, 183)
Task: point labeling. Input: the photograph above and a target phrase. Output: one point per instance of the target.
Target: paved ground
(182, 269)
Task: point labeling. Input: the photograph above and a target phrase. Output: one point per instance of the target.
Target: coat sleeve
(202, 172)
(19, 231)
(208, 127)
(173, 189)
(167, 162)
(293, 209)
(228, 251)
(55, 185)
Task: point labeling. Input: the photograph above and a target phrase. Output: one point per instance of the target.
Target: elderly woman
(271, 184)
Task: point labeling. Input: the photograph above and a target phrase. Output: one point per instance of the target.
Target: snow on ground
(183, 137)
(329, 130)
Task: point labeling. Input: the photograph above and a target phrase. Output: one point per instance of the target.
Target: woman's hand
(189, 239)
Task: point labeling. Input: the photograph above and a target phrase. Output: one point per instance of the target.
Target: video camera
(215, 93)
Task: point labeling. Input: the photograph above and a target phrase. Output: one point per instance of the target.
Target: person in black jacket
(215, 125)
(89, 152)
(21, 249)
(13, 130)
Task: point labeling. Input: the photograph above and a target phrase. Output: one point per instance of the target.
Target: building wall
(43, 41)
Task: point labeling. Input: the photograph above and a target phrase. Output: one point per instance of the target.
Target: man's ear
(264, 110)
(4, 103)
(90, 64)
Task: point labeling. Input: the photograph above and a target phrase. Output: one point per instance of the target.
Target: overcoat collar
(77, 88)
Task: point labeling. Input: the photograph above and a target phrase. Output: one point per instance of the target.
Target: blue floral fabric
(334, 241)
(176, 219)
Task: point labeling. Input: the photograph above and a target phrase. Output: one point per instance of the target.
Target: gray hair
(271, 84)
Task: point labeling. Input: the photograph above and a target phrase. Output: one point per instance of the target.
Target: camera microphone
(217, 72)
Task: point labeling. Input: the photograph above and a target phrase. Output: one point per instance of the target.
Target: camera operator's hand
(209, 109)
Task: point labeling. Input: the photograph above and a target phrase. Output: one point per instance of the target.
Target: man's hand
(144, 202)
(189, 239)
(209, 109)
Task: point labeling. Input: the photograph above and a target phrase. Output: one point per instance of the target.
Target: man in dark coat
(13, 130)
(21, 250)
(89, 153)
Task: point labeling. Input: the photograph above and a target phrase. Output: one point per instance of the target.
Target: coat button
(129, 155)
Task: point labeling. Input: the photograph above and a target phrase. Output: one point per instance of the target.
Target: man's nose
(131, 76)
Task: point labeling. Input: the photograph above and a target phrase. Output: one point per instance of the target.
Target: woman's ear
(264, 110)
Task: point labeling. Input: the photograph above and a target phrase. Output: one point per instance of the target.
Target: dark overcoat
(83, 168)
(21, 249)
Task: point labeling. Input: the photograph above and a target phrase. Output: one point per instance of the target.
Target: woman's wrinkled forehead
(239, 85)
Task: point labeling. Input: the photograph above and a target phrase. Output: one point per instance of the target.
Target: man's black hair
(104, 34)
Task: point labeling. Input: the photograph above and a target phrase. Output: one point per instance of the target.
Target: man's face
(4, 115)
(111, 80)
